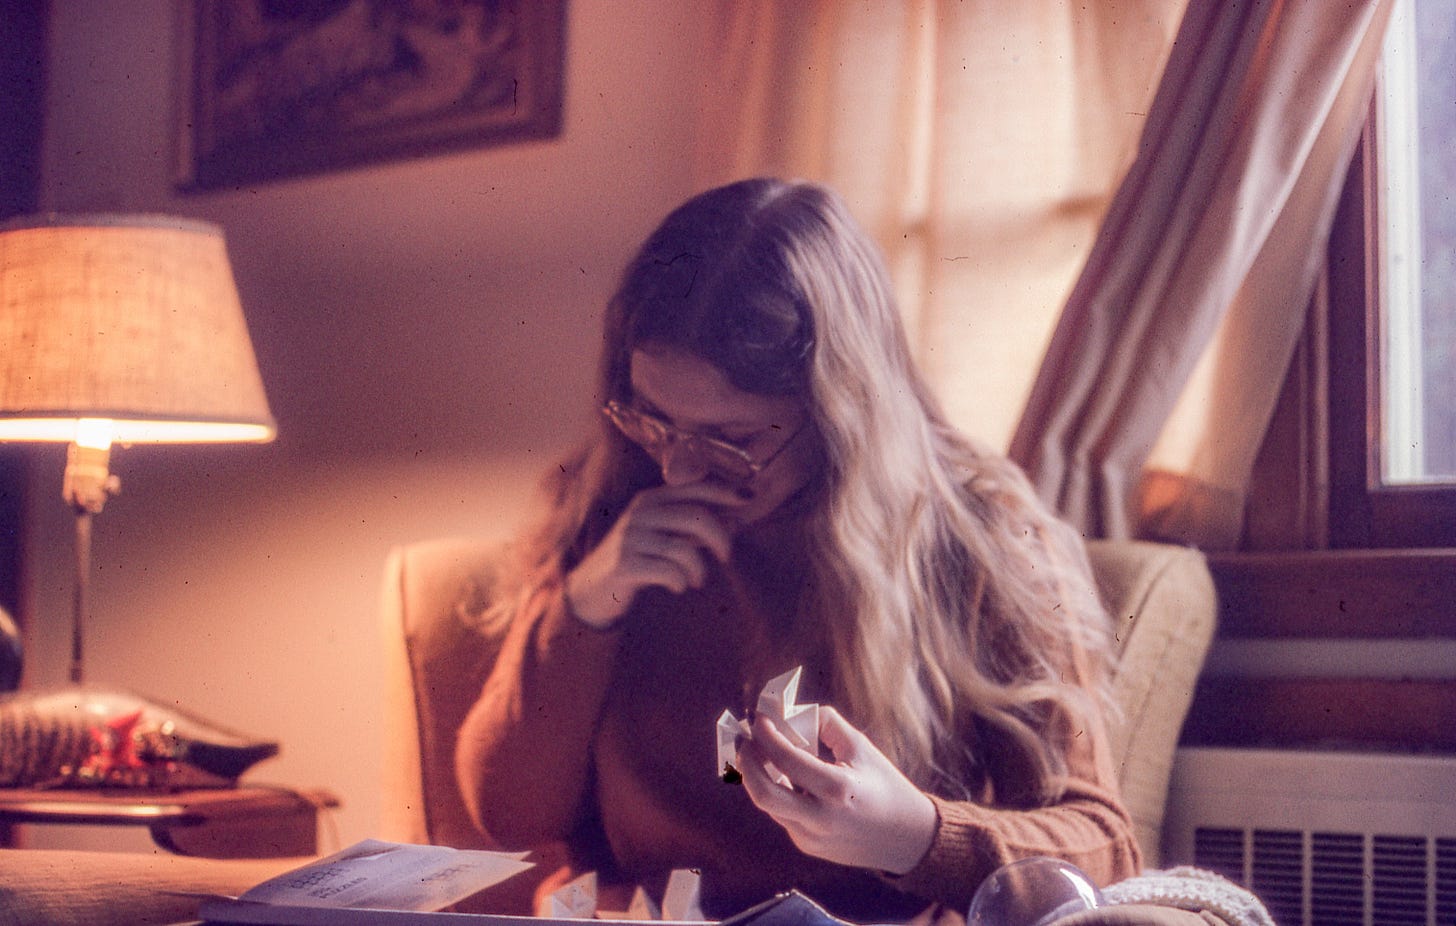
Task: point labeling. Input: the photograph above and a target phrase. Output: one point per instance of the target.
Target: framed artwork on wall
(283, 88)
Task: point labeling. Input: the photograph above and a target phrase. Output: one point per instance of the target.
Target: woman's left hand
(857, 810)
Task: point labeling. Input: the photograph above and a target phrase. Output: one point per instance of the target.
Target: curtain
(1163, 371)
(980, 143)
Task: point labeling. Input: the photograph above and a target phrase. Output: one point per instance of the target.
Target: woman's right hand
(662, 538)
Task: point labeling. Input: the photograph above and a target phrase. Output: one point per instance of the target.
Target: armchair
(1160, 596)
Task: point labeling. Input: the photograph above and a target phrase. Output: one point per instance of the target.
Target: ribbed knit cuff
(960, 856)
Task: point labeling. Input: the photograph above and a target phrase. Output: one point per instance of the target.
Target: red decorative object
(93, 738)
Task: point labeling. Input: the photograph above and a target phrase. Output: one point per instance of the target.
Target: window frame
(1364, 512)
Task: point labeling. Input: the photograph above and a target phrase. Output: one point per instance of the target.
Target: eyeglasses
(727, 461)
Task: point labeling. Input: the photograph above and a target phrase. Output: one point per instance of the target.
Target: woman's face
(693, 397)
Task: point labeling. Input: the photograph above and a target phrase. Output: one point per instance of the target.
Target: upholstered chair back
(1161, 599)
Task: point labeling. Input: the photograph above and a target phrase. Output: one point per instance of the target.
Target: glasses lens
(636, 426)
(719, 457)
(723, 459)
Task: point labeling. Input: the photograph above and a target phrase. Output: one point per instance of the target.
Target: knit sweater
(605, 740)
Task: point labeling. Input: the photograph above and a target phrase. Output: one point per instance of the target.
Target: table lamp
(118, 329)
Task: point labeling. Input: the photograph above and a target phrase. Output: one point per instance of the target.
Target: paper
(680, 902)
(778, 701)
(389, 876)
(384, 876)
(577, 899)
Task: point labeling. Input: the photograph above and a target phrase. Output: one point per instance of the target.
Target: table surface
(249, 820)
(141, 806)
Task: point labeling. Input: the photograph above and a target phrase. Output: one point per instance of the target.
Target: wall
(426, 331)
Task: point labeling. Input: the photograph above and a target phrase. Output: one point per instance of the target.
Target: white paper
(680, 901)
(729, 729)
(575, 900)
(389, 876)
(778, 701)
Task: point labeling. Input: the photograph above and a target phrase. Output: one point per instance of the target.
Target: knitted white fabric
(1194, 889)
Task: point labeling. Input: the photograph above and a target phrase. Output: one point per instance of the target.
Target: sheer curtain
(979, 142)
(1166, 364)
(982, 143)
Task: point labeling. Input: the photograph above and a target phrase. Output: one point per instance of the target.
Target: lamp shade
(127, 322)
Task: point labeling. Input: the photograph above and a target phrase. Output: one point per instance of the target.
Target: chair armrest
(1163, 607)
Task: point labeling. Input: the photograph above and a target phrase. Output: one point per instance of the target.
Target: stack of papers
(394, 882)
(376, 883)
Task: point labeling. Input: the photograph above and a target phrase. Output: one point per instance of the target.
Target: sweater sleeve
(523, 754)
(1087, 826)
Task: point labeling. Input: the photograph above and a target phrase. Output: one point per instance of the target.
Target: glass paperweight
(1032, 892)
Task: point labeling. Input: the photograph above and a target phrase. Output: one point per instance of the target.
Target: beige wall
(426, 331)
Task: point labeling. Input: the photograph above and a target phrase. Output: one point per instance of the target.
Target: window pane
(1418, 253)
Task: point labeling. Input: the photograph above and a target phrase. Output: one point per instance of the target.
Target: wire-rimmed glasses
(727, 461)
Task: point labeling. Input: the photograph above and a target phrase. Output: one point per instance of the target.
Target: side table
(247, 821)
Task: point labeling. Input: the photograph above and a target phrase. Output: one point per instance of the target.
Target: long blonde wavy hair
(953, 605)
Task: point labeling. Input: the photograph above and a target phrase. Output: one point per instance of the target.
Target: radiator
(1323, 838)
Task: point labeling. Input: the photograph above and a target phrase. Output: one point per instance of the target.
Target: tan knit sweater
(606, 740)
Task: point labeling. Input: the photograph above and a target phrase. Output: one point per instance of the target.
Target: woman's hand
(663, 537)
(858, 810)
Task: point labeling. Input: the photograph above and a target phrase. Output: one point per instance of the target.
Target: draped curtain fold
(1174, 343)
(1006, 153)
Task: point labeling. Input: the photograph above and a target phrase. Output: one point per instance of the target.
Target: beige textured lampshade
(135, 319)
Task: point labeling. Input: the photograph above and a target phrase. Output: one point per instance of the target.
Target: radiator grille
(1323, 838)
(1446, 880)
(1337, 879)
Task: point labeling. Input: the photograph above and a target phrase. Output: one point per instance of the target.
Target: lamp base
(87, 737)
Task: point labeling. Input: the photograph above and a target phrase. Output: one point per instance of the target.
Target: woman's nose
(680, 466)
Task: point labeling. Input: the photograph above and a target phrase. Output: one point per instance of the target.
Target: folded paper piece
(778, 701)
(577, 900)
(680, 902)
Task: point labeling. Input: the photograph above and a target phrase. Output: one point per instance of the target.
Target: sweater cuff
(959, 853)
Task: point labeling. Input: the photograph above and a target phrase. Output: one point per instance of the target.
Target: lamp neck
(88, 483)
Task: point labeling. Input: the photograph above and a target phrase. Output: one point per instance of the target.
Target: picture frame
(285, 89)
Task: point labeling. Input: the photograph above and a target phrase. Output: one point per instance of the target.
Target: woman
(775, 486)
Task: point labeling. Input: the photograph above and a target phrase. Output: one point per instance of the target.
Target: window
(1416, 231)
(1392, 320)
